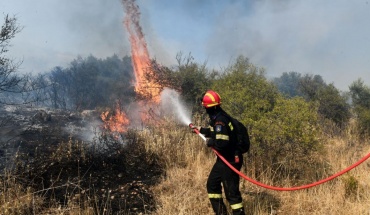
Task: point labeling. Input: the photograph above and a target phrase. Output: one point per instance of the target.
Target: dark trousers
(222, 174)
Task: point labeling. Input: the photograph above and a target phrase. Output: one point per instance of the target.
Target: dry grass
(15, 199)
(333, 197)
(187, 162)
(182, 190)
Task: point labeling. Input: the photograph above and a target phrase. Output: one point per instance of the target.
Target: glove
(195, 127)
(210, 143)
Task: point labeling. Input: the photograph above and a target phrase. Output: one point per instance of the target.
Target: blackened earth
(48, 152)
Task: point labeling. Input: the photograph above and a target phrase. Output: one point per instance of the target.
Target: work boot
(218, 206)
(239, 211)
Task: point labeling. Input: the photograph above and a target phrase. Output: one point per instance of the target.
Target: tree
(288, 84)
(91, 82)
(244, 87)
(310, 86)
(193, 79)
(360, 94)
(9, 80)
(188, 77)
(332, 105)
(59, 87)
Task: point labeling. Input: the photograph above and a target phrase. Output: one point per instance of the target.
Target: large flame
(147, 90)
(144, 85)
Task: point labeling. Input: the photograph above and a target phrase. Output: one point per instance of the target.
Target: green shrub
(284, 132)
(285, 139)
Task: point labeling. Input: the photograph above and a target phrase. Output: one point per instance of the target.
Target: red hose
(291, 188)
(282, 188)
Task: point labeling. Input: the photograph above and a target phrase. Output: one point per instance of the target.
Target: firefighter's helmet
(210, 99)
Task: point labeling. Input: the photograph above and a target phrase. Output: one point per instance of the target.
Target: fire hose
(281, 188)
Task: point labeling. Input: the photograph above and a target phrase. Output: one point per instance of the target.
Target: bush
(284, 132)
(285, 139)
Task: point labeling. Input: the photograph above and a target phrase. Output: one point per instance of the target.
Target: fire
(146, 89)
(144, 86)
(117, 122)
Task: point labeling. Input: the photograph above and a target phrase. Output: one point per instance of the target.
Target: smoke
(317, 37)
(172, 105)
(98, 31)
(329, 38)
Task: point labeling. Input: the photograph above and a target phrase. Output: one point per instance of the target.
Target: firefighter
(222, 139)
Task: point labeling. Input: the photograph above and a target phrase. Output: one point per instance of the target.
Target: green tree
(193, 79)
(360, 94)
(310, 85)
(245, 92)
(332, 105)
(288, 84)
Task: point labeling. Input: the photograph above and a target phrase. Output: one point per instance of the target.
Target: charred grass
(113, 175)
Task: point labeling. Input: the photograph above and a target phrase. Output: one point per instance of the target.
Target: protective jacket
(223, 140)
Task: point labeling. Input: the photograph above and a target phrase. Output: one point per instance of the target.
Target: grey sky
(330, 38)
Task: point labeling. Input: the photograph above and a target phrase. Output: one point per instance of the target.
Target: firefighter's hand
(195, 127)
(210, 143)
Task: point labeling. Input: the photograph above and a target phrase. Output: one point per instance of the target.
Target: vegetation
(246, 93)
(331, 104)
(360, 94)
(188, 77)
(10, 81)
(85, 84)
(301, 131)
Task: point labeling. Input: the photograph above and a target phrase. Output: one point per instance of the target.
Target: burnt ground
(66, 159)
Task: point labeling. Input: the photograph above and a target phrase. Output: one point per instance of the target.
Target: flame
(146, 89)
(144, 85)
(116, 122)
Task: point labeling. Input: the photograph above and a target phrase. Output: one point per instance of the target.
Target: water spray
(172, 104)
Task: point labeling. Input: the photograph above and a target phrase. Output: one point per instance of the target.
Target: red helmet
(210, 99)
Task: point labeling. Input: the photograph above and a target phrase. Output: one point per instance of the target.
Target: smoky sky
(98, 23)
(330, 38)
(56, 31)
